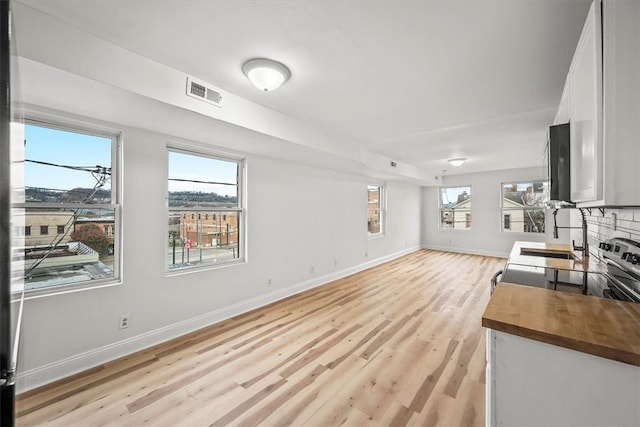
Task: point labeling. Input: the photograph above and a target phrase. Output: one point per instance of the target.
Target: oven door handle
(494, 279)
(631, 295)
(620, 267)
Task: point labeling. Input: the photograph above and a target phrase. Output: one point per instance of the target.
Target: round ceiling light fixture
(457, 162)
(266, 74)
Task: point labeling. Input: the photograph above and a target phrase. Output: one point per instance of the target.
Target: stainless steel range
(623, 269)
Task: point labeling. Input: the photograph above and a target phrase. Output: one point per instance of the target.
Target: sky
(75, 149)
(198, 168)
(63, 148)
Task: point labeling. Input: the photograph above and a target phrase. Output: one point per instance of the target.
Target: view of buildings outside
(374, 209)
(523, 206)
(205, 214)
(455, 208)
(64, 211)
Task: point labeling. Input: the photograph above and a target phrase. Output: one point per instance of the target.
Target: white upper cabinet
(604, 107)
(585, 80)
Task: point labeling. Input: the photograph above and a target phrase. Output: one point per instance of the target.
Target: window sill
(376, 236)
(62, 289)
(196, 269)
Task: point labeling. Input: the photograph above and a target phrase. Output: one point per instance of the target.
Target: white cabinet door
(585, 77)
(537, 384)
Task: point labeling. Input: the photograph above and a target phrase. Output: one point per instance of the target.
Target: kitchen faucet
(585, 244)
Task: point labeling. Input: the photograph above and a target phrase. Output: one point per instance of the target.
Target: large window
(523, 207)
(375, 209)
(67, 197)
(455, 208)
(205, 210)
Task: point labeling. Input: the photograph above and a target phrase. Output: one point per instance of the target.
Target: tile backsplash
(615, 222)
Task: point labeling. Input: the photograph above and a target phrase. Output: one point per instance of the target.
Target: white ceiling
(418, 81)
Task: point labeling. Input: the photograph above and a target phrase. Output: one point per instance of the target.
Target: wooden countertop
(597, 326)
(590, 264)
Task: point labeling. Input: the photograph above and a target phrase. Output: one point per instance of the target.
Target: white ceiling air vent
(203, 92)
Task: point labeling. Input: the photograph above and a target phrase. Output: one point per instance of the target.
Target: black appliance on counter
(623, 269)
(559, 166)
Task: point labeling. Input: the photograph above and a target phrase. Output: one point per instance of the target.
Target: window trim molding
(212, 153)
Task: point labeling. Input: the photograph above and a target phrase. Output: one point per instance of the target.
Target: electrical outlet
(313, 270)
(125, 320)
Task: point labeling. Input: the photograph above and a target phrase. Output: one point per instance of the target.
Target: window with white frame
(522, 206)
(455, 208)
(375, 209)
(69, 195)
(205, 210)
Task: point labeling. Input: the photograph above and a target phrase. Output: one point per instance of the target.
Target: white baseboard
(497, 254)
(42, 375)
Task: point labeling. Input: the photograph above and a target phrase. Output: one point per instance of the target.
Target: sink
(546, 254)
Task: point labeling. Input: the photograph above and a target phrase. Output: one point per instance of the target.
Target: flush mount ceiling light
(457, 162)
(266, 74)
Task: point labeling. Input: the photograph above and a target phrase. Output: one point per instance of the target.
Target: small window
(523, 209)
(44, 230)
(507, 222)
(27, 230)
(455, 208)
(375, 209)
(60, 229)
(206, 187)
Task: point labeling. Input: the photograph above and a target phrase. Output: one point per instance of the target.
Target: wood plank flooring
(398, 344)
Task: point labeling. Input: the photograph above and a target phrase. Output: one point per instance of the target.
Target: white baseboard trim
(496, 254)
(42, 375)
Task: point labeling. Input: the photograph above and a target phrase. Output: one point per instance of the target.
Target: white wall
(485, 236)
(298, 217)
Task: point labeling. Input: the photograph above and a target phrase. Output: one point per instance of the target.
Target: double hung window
(67, 196)
(205, 210)
(523, 207)
(455, 208)
(375, 209)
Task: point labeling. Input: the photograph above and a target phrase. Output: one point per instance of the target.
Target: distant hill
(75, 195)
(79, 195)
(199, 198)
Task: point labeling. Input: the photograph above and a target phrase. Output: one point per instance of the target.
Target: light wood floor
(398, 344)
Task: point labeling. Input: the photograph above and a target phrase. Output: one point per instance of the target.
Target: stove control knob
(602, 245)
(607, 247)
(617, 248)
(635, 259)
(626, 256)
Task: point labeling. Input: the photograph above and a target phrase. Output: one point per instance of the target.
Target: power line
(93, 169)
(201, 182)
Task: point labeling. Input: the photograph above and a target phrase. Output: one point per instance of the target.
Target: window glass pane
(211, 234)
(62, 166)
(209, 238)
(198, 181)
(523, 204)
(374, 208)
(79, 250)
(65, 244)
(455, 207)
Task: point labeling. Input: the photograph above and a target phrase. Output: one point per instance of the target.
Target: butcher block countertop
(590, 264)
(597, 326)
